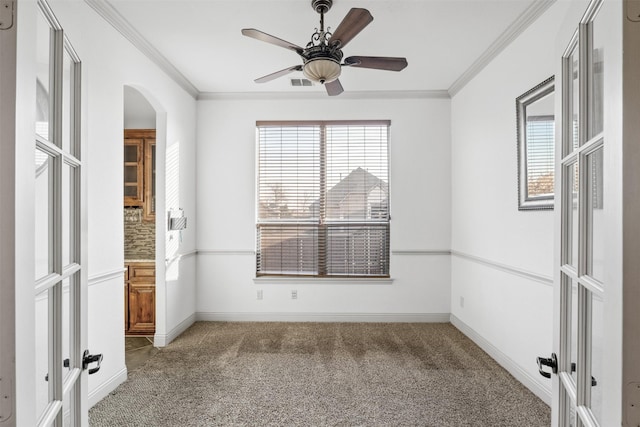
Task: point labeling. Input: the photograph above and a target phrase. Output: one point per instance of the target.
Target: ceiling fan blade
(334, 88)
(262, 36)
(377, 62)
(277, 74)
(351, 25)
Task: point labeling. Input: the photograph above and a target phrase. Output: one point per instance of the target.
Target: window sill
(287, 280)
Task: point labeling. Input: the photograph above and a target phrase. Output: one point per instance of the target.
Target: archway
(144, 125)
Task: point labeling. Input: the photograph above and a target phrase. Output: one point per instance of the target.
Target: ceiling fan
(323, 54)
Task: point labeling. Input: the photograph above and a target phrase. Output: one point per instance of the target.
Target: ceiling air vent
(301, 82)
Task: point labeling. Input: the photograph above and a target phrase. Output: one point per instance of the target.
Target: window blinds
(540, 139)
(323, 199)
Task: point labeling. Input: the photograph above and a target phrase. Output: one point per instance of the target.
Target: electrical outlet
(259, 294)
(294, 294)
(461, 302)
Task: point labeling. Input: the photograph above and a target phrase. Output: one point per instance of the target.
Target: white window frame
(322, 272)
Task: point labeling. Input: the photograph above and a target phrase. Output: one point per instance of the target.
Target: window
(540, 145)
(536, 142)
(323, 199)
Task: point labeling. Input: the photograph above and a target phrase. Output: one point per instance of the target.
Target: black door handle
(551, 362)
(88, 359)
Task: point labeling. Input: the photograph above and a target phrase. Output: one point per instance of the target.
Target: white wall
(109, 63)
(138, 113)
(502, 263)
(420, 212)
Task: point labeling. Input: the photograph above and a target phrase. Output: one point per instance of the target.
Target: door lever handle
(551, 362)
(88, 359)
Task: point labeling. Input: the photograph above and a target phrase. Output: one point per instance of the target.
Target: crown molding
(517, 27)
(270, 96)
(109, 13)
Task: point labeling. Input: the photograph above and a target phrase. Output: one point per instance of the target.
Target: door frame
(630, 215)
(8, 52)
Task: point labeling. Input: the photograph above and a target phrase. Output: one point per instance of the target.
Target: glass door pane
(570, 212)
(574, 331)
(67, 105)
(67, 325)
(42, 393)
(595, 220)
(43, 40)
(597, 356)
(43, 214)
(596, 104)
(67, 220)
(571, 107)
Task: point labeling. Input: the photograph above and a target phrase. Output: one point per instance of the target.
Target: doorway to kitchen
(139, 187)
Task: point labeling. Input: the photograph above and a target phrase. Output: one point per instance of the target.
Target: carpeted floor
(321, 374)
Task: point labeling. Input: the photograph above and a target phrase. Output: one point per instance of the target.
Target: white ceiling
(441, 39)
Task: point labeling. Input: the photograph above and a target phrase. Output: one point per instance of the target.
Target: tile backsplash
(139, 236)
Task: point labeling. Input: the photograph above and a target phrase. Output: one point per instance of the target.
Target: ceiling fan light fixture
(322, 70)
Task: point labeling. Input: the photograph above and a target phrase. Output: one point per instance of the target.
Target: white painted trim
(253, 252)
(325, 317)
(269, 96)
(226, 252)
(533, 384)
(179, 257)
(162, 340)
(546, 280)
(103, 390)
(110, 14)
(425, 252)
(109, 275)
(190, 253)
(517, 27)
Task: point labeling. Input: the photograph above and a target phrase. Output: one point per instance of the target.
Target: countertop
(130, 260)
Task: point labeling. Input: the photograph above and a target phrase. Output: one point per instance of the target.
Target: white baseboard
(325, 317)
(107, 387)
(505, 361)
(162, 340)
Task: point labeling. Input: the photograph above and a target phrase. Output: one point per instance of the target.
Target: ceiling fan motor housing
(321, 6)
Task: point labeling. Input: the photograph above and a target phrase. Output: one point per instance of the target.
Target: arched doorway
(144, 138)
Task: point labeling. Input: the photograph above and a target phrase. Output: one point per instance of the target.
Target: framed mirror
(536, 146)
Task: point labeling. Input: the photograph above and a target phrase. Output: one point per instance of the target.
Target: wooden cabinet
(133, 172)
(149, 211)
(140, 171)
(140, 298)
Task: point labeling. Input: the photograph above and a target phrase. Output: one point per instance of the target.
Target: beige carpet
(321, 374)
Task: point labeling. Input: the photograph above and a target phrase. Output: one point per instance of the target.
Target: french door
(583, 213)
(60, 279)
